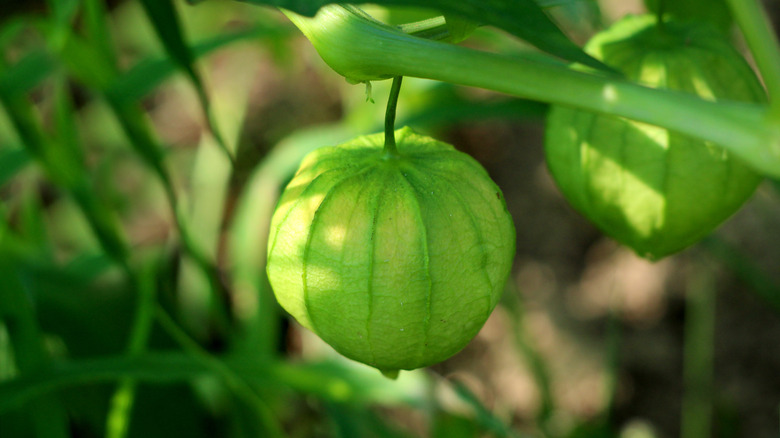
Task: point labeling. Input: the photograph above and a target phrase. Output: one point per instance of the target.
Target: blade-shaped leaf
(334, 381)
(522, 18)
(63, 10)
(95, 14)
(63, 163)
(164, 18)
(12, 160)
(28, 73)
(47, 413)
(146, 75)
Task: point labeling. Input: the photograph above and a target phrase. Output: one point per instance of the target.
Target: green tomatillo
(652, 189)
(394, 259)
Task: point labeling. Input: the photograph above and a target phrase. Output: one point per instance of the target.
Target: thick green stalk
(362, 49)
(762, 40)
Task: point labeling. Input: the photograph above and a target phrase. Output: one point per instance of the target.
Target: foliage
(133, 295)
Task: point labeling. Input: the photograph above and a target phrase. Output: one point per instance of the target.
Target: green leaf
(12, 160)
(32, 225)
(62, 161)
(97, 32)
(743, 267)
(446, 425)
(339, 382)
(459, 28)
(67, 129)
(47, 414)
(164, 18)
(158, 368)
(64, 10)
(11, 28)
(522, 18)
(141, 79)
(28, 73)
(486, 419)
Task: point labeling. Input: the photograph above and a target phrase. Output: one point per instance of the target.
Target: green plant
(143, 146)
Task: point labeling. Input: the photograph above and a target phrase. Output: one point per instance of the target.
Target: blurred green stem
(47, 415)
(233, 381)
(535, 361)
(140, 136)
(744, 268)
(118, 419)
(165, 20)
(612, 359)
(698, 355)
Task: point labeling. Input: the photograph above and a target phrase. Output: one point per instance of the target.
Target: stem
(377, 52)
(612, 362)
(697, 366)
(238, 385)
(392, 103)
(536, 362)
(49, 418)
(118, 418)
(763, 43)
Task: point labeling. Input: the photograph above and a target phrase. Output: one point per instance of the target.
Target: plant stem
(48, 416)
(233, 381)
(698, 356)
(763, 43)
(536, 362)
(364, 50)
(118, 418)
(392, 103)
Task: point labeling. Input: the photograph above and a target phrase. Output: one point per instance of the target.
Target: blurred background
(133, 301)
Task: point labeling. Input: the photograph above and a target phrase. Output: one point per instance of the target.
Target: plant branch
(365, 50)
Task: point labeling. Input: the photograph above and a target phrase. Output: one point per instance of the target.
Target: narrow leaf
(28, 73)
(162, 14)
(12, 160)
(47, 414)
(141, 79)
(522, 18)
(95, 18)
(63, 10)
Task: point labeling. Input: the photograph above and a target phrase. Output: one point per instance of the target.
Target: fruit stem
(392, 103)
